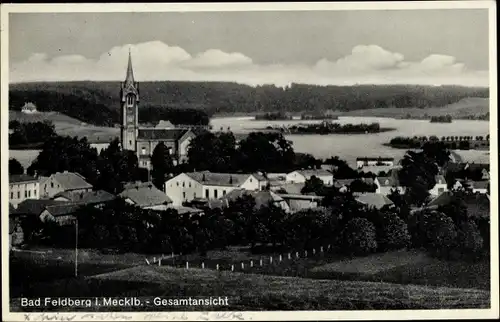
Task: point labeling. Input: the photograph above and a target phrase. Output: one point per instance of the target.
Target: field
(263, 292)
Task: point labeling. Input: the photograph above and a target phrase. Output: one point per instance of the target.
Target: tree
(434, 231)
(392, 232)
(359, 236)
(215, 152)
(271, 219)
(313, 185)
(340, 168)
(469, 238)
(418, 174)
(162, 164)
(66, 154)
(15, 167)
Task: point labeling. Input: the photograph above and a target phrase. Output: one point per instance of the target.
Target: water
(346, 146)
(351, 146)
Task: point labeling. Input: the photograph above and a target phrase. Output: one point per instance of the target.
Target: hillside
(98, 102)
(469, 106)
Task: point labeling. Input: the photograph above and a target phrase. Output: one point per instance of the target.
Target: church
(141, 139)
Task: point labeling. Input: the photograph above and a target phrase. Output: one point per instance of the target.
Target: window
(183, 184)
(251, 180)
(184, 195)
(18, 194)
(189, 184)
(130, 100)
(130, 142)
(11, 195)
(215, 193)
(52, 184)
(29, 193)
(143, 150)
(25, 194)
(177, 183)
(440, 190)
(207, 194)
(223, 192)
(34, 193)
(194, 195)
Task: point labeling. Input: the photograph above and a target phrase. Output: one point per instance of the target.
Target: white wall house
(386, 184)
(209, 185)
(22, 187)
(300, 176)
(440, 187)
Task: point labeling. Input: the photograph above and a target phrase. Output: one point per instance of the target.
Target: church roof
(129, 79)
(161, 134)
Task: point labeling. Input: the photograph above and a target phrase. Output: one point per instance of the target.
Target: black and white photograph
(249, 161)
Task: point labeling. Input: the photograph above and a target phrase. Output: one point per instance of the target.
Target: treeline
(451, 142)
(441, 119)
(30, 133)
(225, 97)
(274, 116)
(329, 128)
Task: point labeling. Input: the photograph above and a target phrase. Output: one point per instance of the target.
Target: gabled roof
(91, 197)
(339, 183)
(19, 178)
(292, 188)
(373, 199)
(314, 172)
(161, 134)
(478, 205)
(164, 124)
(439, 178)
(145, 195)
(219, 179)
(71, 180)
(37, 206)
(442, 199)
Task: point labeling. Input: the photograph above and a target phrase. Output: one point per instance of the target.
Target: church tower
(130, 117)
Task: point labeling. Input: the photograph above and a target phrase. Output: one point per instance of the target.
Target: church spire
(130, 72)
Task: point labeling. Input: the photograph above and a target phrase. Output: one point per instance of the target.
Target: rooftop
(18, 178)
(145, 195)
(91, 197)
(219, 179)
(373, 199)
(315, 172)
(71, 180)
(161, 134)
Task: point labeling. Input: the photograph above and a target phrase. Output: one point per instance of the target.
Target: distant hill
(98, 102)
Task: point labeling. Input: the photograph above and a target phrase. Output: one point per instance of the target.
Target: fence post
(251, 263)
(289, 256)
(305, 253)
(217, 267)
(321, 249)
(146, 260)
(187, 265)
(314, 251)
(261, 262)
(154, 259)
(270, 259)
(281, 258)
(242, 265)
(297, 254)
(202, 265)
(172, 254)
(159, 262)
(232, 267)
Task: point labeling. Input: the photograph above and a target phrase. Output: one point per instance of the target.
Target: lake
(346, 146)
(351, 146)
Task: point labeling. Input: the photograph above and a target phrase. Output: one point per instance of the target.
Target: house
(61, 212)
(29, 108)
(343, 184)
(374, 161)
(288, 188)
(300, 176)
(96, 198)
(22, 187)
(485, 174)
(297, 202)
(478, 186)
(478, 205)
(208, 185)
(70, 182)
(101, 142)
(262, 198)
(386, 184)
(440, 187)
(373, 199)
(146, 196)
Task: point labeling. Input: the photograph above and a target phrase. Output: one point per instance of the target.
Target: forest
(98, 102)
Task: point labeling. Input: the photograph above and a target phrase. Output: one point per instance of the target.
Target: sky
(430, 47)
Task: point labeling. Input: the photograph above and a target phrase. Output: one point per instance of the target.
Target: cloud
(155, 60)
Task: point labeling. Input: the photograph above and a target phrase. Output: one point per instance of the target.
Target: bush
(483, 225)
(470, 241)
(392, 233)
(359, 236)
